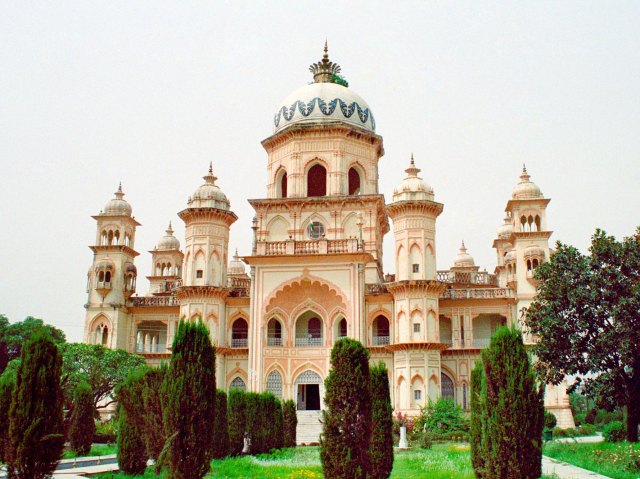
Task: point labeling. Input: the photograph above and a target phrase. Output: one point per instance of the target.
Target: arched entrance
(309, 389)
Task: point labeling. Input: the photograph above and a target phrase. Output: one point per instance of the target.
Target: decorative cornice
(414, 206)
(531, 201)
(191, 214)
(416, 286)
(527, 235)
(114, 248)
(418, 346)
(302, 131)
(224, 351)
(186, 292)
(128, 219)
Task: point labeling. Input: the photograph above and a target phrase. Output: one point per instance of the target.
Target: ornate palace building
(315, 271)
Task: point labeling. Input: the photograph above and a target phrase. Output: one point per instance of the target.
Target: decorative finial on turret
(412, 162)
(325, 71)
(170, 229)
(119, 194)
(412, 170)
(236, 255)
(210, 177)
(463, 248)
(524, 176)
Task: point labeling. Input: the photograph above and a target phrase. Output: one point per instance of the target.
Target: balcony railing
(374, 288)
(481, 343)
(239, 342)
(477, 293)
(142, 301)
(466, 277)
(380, 340)
(448, 341)
(274, 341)
(103, 285)
(320, 246)
(305, 342)
(151, 348)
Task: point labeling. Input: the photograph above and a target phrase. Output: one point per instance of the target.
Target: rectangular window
(461, 328)
(416, 327)
(199, 273)
(416, 268)
(417, 395)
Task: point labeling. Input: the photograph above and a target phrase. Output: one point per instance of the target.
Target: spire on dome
(524, 176)
(119, 194)
(326, 71)
(210, 178)
(169, 230)
(412, 170)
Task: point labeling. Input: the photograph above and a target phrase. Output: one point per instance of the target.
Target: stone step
(309, 427)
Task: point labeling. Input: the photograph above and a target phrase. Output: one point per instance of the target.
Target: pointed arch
(278, 229)
(350, 226)
(316, 178)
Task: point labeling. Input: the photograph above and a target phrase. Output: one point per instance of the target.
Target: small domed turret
(526, 189)
(118, 206)
(168, 242)
(412, 186)
(505, 230)
(236, 266)
(464, 259)
(209, 195)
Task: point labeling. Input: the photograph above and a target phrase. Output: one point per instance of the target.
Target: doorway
(308, 397)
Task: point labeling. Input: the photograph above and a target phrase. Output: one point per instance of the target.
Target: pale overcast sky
(148, 92)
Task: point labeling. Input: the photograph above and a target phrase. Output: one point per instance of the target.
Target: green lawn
(443, 461)
(618, 460)
(96, 450)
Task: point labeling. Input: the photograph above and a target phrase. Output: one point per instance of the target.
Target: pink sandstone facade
(315, 270)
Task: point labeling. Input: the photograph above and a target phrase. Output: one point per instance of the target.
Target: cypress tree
(83, 426)
(514, 410)
(132, 452)
(237, 420)
(221, 429)
(290, 423)
(255, 414)
(381, 449)
(344, 445)
(189, 411)
(7, 387)
(36, 422)
(278, 425)
(154, 437)
(478, 418)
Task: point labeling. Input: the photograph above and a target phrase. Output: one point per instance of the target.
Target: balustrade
(239, 342)
(467, 277)
(380, 340)
(274, 341)
(305, 341)
(151, 348)
(477, 293)
(141, 301)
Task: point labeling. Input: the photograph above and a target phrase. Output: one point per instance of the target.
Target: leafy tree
(7, 387)
(440, 417)
(36, 421)
(512, 411)
(344, 445)
(132, 453)
(189, 412)
(101, 367)
(14, 336)
(290, 423)
(381, 448)
(587, 316)
(237, 418)
(83, 426)
(478, 421)
(154, 436)
(221, 428)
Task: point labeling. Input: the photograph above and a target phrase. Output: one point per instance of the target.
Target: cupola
(117, 206)
(506, 229)
(168, 242)
(209, 195)
(236, 266)
(526, 189)
(413, 187)
(464, 259)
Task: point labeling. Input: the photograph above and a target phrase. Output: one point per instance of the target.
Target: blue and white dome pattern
(320, 102)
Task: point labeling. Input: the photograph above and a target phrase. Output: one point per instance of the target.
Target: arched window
(448, 391)
(107, 277)
(117, 237)
(239, 333)
(380, 331)
(102, 334)
(538, 223)
(110, 238)
(274, 384)
(342, 328)
(317, 181)
(281, 184)
(354, 182)
(238, 383)
(308, 330)
(274, 333)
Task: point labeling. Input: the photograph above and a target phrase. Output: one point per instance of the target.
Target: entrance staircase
(309, 427)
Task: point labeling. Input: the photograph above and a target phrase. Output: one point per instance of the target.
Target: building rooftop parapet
(477, 293)
(479, 278)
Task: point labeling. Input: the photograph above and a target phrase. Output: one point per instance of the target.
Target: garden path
(567, 471)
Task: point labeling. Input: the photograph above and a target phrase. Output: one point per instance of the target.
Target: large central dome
(328, 99)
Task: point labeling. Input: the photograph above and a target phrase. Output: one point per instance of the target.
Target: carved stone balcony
(477, 293)
(466, 277)
(380, 340)
(146, 301)
(320, 246)
(239, 342)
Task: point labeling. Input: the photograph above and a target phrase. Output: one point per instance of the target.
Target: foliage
(189, 412)
(35, 416)
(83, 426)
(584, 430)
(381, 448)
(615, 431)
(7, 387)
(550, 420)
(274, 423)
(478, 420)
(106, 431)
(96, 450)
(616, 460)
(14, 335)
(511, 411)
(220, 445)
(154, 437)
(586, 315)
(441, 416)
(344, 444)
(290, 423)
(101, 367)
(237, 419)
(132, 453)
(254, 425)
(339, 79)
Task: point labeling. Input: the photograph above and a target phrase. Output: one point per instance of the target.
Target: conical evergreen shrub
(221, 429)
(290, 423)
(344, 444)
(36, 424)
(514, 417)
(254, 426)
(237, 420)
(381, 448)
(132, 451)
(7, 387)
(83, 426)
(478, 419)
(154, 437)
(189, 410)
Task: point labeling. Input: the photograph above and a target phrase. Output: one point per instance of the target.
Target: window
(238, 383)
(448, 391)
(416, 268)
(274, 333)
(464, 396)
(199, 274)
(416, 327)
(274, 384)
(417, 395)
(343, 328)
(461, 328)
(239, 333)
(283, 185)
(317, 181)
(354, 182)
(315, 230)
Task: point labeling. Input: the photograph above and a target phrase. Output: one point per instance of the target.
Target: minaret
(166, 264)
(112, 277)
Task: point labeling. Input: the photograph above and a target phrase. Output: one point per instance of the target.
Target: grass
(443, 461)
(96, 450)
(616, 460)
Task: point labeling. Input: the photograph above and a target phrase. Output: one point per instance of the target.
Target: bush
(83, 426)
(35, 416)
(381, 448)
(7, 386)
(440, 417)
(237, 420)
(604, 417)
(550, 420)
(290, 423)
(132, 451)
(188, 409)
(106, 432)
(587, 430)
(344, 444)
(154, 437)
(220, 447)
(254, 423)
(615, 431)
(478, 419)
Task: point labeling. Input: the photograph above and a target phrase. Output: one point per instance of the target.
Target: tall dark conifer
(290, 423)
(344, 444)
(83, 426)
(478, 421)
(221, 428)
(132, 451)
(7, 387)
(154, 436)
(237, 420)
(381, 449)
